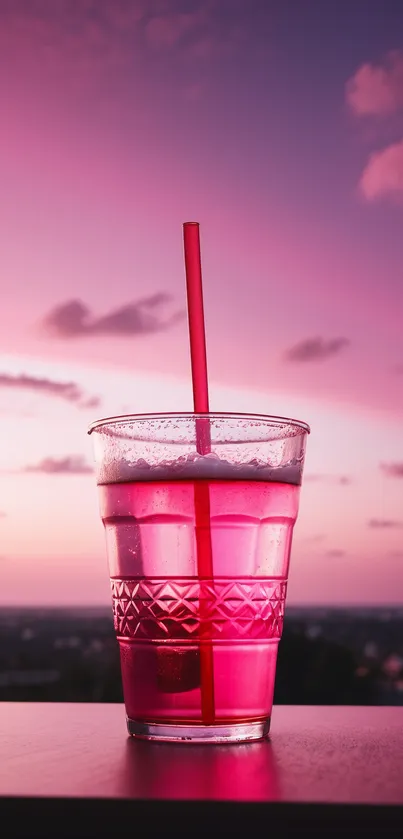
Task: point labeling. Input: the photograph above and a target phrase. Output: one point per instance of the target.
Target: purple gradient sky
(283, 136)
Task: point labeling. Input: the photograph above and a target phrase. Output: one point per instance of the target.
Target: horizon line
(106, 607)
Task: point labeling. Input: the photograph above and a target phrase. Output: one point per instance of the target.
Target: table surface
(329, 755)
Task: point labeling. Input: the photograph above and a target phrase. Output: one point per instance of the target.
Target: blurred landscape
(327, 656)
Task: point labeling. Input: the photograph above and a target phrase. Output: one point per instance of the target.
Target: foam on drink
(195, 467)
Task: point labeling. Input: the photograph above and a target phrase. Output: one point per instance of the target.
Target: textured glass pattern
(227, 609)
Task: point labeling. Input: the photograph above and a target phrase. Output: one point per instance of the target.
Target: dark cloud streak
(392, 470)
(68, 391)
(74, 319)
(316, 537)
(70, 465)
(385, 524)
(341, 480)
(315, 349)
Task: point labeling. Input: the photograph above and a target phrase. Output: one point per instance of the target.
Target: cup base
(185, 733)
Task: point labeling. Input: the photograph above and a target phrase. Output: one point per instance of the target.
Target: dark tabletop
(74, 764)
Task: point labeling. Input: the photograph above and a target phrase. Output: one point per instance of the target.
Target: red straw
(198, 356)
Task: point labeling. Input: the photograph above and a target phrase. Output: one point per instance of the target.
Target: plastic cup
(166, 616)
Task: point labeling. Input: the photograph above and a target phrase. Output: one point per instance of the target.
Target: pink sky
(122, 120)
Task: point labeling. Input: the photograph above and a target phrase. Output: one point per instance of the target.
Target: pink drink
(199, 647)
(159, 623)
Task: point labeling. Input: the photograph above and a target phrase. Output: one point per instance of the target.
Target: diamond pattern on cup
(188, 610)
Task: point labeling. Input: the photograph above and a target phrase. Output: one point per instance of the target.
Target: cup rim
(271, 420)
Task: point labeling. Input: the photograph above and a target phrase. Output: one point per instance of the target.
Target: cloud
(383, 174)
(71, 48)
(166, 30)
(335, 553)
(74, 320)
(392, 470)
(91, 50)
(315, 349)
(315, 538)
(396, 554)
(211, 29)
(69, 391)
(3, 515)
(377, 89)
(398, 369)
(385, 524)
(71, 465)
(315, 477)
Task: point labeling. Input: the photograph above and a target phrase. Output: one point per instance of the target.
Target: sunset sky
(279, 127)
